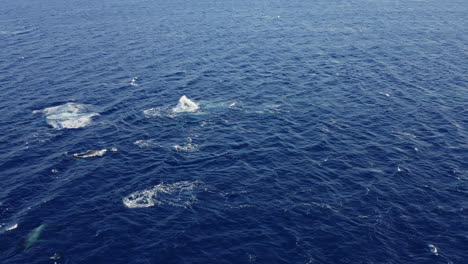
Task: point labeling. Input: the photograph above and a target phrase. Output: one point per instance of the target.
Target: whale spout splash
(185, 105)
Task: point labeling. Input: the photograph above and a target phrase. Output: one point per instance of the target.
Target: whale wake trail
(180, 194)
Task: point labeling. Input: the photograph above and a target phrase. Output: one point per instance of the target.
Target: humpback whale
(33, 236)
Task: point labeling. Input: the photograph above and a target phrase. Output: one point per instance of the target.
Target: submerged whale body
(185, 105)
(33, 236)
(90, 154)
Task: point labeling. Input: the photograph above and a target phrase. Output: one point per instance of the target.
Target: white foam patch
(180, 194)
(12, 227)
(185, 105)
(156, 112)
(68, 116)
(133, 82)
(188, 147)
(7, 227)
(434, 249)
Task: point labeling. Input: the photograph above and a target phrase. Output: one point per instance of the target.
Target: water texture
(310, 132)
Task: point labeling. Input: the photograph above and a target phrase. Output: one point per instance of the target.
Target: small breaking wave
(156, 112)
(434, 249)
(7, 227)
(180, 194)
(188, 147)
(68, 116)
(133, 82)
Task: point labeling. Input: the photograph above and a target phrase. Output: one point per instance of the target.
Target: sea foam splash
(188, 147)
(434, 249)
(184, 105)
(69, 115)
(156, 112)
(133, 82)
(180, 194)
(7, 227)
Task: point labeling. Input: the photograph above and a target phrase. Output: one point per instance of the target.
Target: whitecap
(155, 112)
(188, 147)
(69, 115)
(133, 82)
(12, 227)
(7, 227)
(185, 105)
(180, 194)
(434, 249)
(141, 199)
(143, 143)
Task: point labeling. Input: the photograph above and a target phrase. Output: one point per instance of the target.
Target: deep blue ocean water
(328, 131)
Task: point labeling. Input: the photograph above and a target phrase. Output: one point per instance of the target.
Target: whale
(90, 154)
(33, 236)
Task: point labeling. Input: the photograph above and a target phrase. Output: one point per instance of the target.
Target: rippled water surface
(328, 131)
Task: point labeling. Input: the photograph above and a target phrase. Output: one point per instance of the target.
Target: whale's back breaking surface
(90, 154)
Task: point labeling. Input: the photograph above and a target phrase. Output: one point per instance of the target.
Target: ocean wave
(133, 82)
(145, 143)
(187, 147)
(156, 112)
(7, 227)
